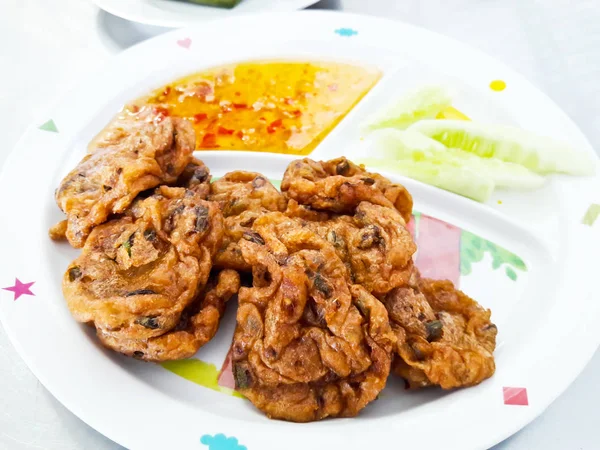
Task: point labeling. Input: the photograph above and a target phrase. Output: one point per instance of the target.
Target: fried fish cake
(195, 176)
(376, 245)
(198, 324)
(133, 153)
(308, 343)
(373, 243)
(340, 185)
(241, 191)
(445, 338)
(138, 273)
(243, 197)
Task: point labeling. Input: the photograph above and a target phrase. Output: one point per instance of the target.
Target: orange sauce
(282, 107)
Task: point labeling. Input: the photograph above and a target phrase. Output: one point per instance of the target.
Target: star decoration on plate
(20, 288)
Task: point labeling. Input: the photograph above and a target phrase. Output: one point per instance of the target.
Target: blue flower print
(221, 442)
(346, 32)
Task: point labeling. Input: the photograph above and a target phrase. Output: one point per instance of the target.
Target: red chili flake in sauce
(212, 125)
(199, 117)
(237, 94)
(289, 101)
(296, 113)
(209, 140)
(223, 130)
(167, 90)
(240, 105)
(161, 112)
(274, 125)
(239, 134)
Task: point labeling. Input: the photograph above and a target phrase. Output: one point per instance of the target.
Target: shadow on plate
(327, 4)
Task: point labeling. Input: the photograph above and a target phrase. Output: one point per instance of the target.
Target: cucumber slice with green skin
(425, 102)
(457, 179)
(539, 154)
(395, 145)
(217, 3)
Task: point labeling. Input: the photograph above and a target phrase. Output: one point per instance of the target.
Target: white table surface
(47, 45)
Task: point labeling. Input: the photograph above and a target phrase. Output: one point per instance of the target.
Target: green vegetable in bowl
(217, 3)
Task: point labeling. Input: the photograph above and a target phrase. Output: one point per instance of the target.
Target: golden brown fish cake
(195, 176)
(241, 191)
(308, 344)
(373, 243)
(340, 185)
(305, 212)
(377, 245)
(138, 273)
(133, 153)
(230, 254)
(243, 197)
(198, 324)
(445, 338)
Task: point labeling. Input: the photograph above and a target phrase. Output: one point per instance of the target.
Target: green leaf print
(473, 248)
(511, 273)
(465, 266)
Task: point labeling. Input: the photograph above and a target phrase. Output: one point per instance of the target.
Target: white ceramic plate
(177, 14)
(530, 258)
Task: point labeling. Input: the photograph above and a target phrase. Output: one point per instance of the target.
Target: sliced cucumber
(425, 102)
(451, 113)
(394, 145)
(457, 179)
(539, 154)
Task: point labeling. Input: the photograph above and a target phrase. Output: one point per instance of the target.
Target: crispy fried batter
(340, 185)
(137, 274)
(334, 303)
(295, 209)
(308, 343)
(133, 153)
(241, 191)
(374, 243)
(195, 176)
(58, 232)
(444, 337)
(198, 324)
(243, 197)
